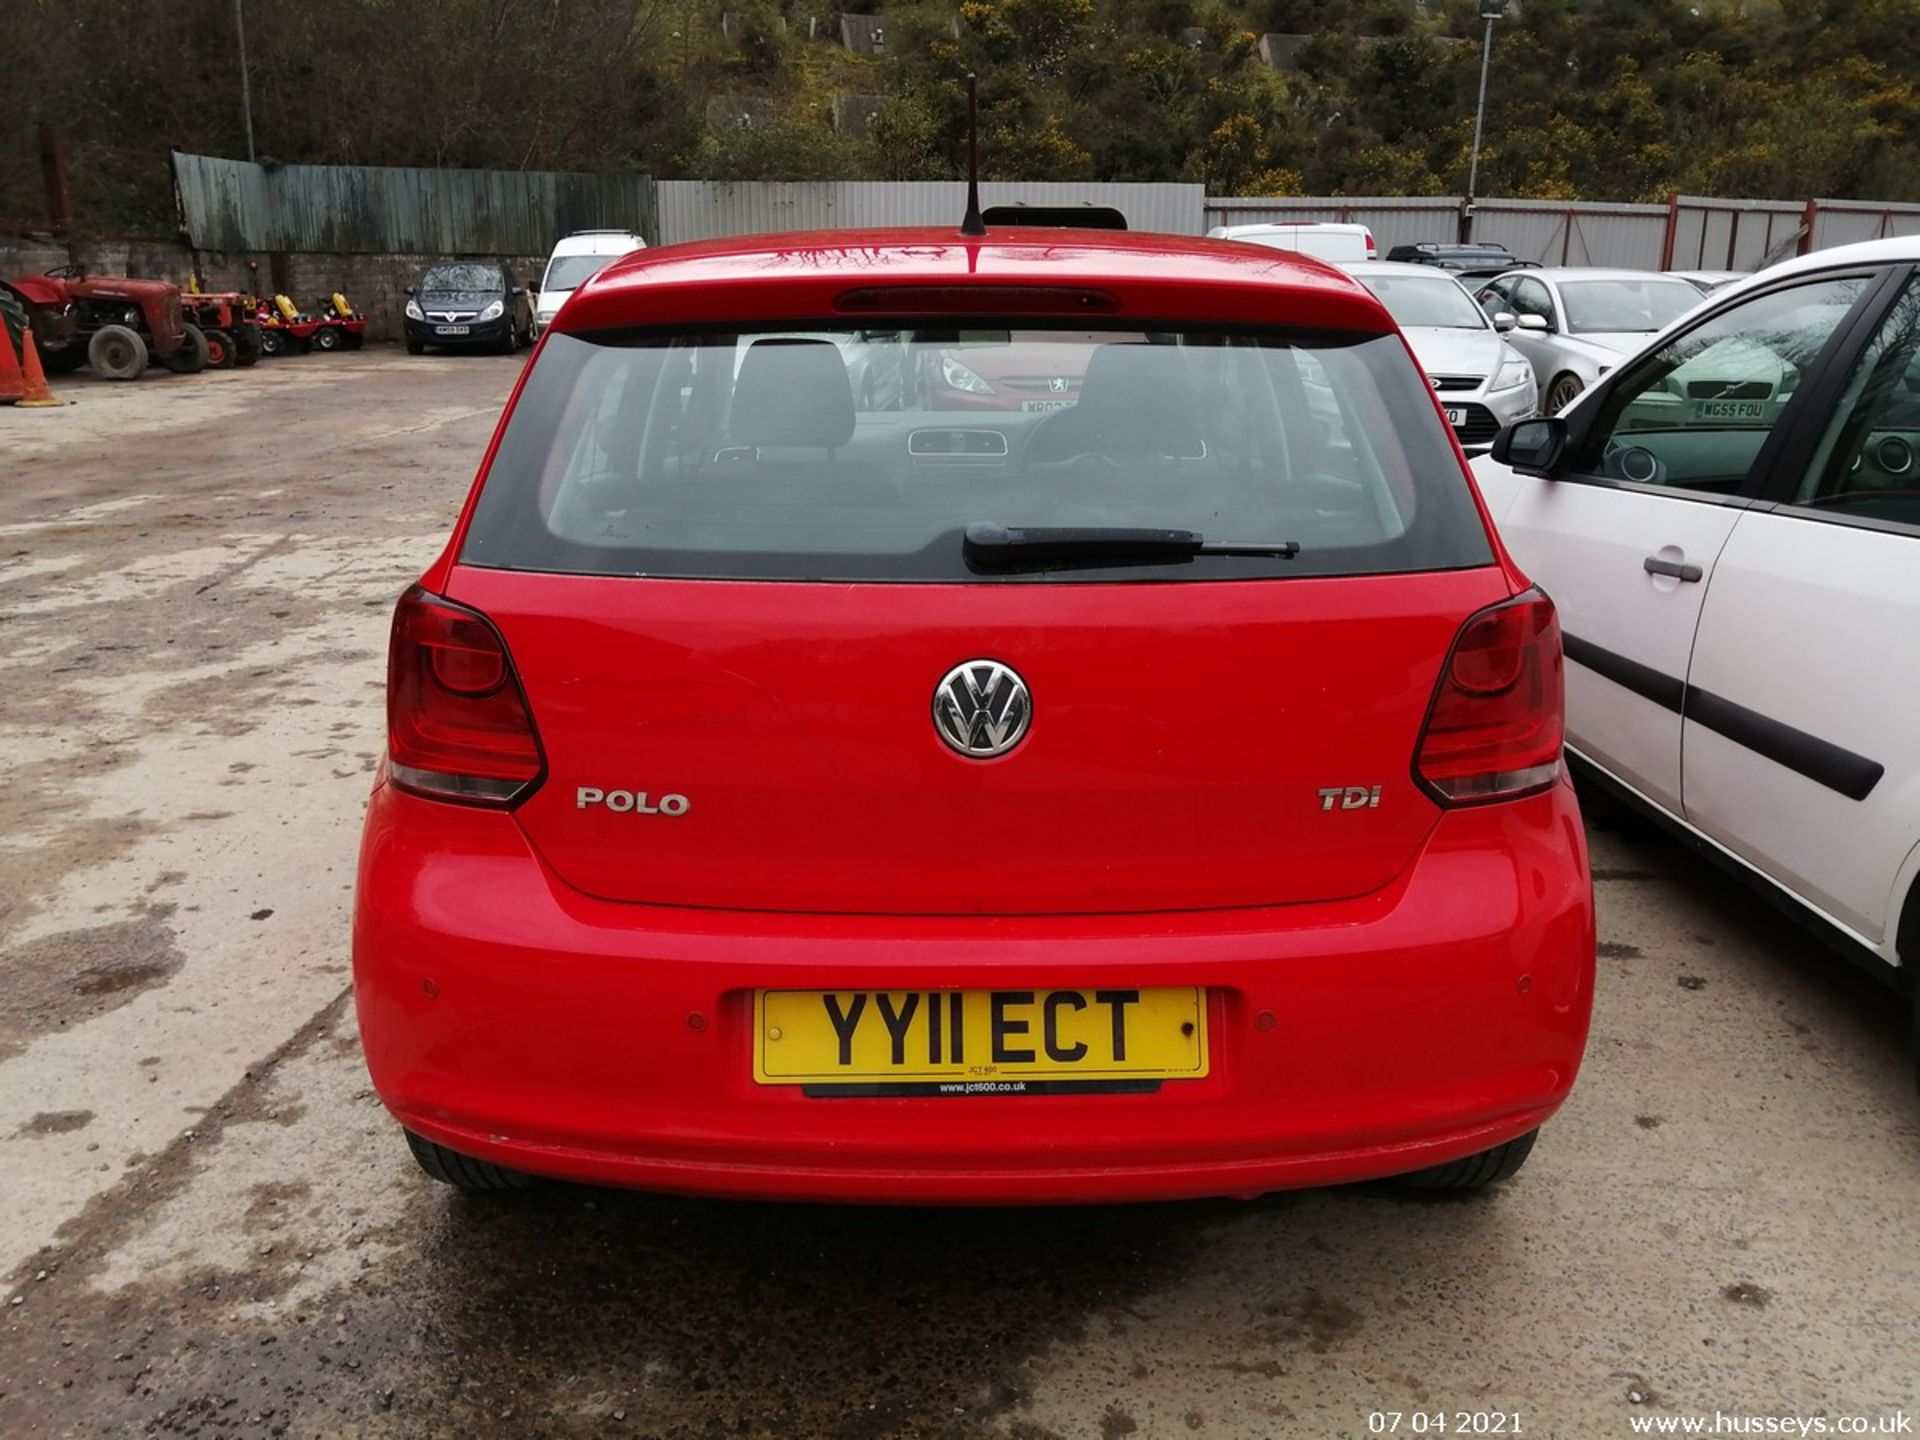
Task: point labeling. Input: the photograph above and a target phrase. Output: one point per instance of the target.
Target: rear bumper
(511, 1018)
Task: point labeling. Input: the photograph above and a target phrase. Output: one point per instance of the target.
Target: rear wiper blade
(989, 544)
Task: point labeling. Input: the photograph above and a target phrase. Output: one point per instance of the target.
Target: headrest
(792, 392)
(1139, 399)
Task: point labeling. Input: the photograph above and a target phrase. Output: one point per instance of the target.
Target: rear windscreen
(849, 454)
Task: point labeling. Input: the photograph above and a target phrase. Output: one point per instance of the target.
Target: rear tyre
(1906, 945)
(463, 1172)
(117, 353)
(1562, 393)
(326, 338)
(222, 352)
(193, 355)
(1475, 1172)
(246, 345)
(416, 347)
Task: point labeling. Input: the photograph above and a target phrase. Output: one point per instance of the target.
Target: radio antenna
(972, 224)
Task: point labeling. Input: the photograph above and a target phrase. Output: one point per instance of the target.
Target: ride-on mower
(111, 322)
(286, 330)
(341, 326)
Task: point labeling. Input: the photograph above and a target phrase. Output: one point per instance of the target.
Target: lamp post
(246, 83)
(1490, 11)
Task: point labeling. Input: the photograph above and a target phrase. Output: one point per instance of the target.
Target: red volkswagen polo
(1157, 795)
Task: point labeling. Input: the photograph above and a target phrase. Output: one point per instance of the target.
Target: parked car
(879, 366)
(1322, 239)
(461, 304)
(1481, 257)
(576, 259)
(1030, 370)
(1730, 524)
(1483, 382)
(1708, 281)
(1107, 802)
(1575, 323)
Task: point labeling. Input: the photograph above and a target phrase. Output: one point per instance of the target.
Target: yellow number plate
(978, 1041)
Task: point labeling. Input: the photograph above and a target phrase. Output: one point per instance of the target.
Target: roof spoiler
(1084, 216)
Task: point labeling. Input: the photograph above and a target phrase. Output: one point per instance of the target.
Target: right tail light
(1498, 717)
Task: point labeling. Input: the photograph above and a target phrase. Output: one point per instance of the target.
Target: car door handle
(1690, 574)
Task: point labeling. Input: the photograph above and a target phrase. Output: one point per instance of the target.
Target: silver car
(1576, 324)
(1483, 382)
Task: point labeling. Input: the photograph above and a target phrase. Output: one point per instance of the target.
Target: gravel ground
(208, 1226)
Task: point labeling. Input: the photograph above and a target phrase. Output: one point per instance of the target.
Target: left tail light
(458, 726)
(1496, 723)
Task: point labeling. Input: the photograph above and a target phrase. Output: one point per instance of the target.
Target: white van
(1328, 240)
(574, 261)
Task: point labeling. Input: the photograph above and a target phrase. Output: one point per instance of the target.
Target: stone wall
(375, 284)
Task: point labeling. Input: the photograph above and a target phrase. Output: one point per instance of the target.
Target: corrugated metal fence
(1709, 234)
(705, 209)
(232, 205)
(1844, 222)
(1689, 232)
(1559, 234)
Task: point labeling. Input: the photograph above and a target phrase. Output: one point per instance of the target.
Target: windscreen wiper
(989, 545)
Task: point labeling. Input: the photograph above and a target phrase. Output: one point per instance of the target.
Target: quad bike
(226, 318)
(111, 322)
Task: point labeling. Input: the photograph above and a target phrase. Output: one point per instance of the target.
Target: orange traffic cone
(38, 396)
(12, 385)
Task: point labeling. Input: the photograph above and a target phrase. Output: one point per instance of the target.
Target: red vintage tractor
(109, 322)
(226, 318)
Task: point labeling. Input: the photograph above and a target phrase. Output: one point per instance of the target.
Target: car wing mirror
(1533, 447)
(408, 290)
(1504, 320)
(1538, 324)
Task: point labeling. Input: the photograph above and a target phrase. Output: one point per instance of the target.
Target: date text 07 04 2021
(1444, 1422)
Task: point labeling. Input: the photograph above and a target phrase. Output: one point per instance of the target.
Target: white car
(1708, 281)
(1335, 242)
(576, 260)
(1575, 323)
(1483, 382)
(1729, 523)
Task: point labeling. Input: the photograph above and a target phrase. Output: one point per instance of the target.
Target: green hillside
(1606, 99)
